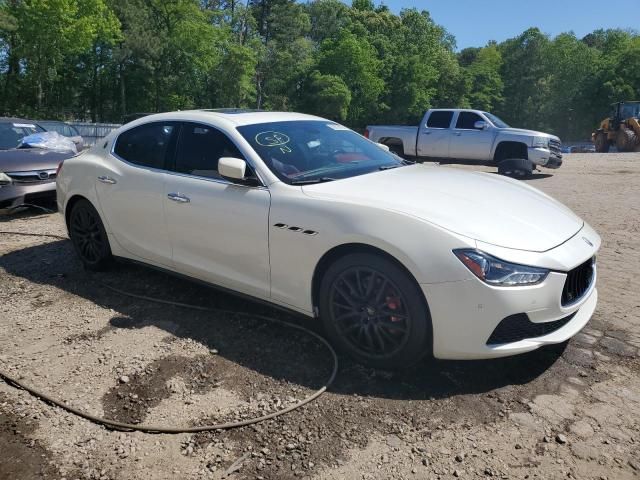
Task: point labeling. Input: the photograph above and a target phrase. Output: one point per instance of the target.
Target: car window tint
(146, 145)
(440, 119)
(467, 120)
(199, 149)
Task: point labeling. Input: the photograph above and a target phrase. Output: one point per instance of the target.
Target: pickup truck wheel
(397, 150)
(374, 311)
(515, 167)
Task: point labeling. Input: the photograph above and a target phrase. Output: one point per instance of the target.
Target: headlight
(5, 179)
(498, 272)
(540, 142)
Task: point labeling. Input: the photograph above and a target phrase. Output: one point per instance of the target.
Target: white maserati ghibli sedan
(397, 260)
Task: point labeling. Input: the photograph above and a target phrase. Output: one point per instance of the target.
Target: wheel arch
(339, 251)
(392, 142)
(70, 203)
(511, 149)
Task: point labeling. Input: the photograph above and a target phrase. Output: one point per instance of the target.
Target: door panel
(220, 235)
(130, 188)
(434, 143)
(218, 230)
(469, 143)
(434, 136)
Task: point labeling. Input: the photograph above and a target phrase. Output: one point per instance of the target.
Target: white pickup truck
(470, 136)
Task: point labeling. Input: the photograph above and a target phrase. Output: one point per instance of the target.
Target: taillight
(366, 133)
(59, 168)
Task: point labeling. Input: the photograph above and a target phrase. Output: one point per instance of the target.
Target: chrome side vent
(294, 229)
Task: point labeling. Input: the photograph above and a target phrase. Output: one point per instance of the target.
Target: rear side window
(467, 120)
(146, 145)
(440, 119)
(199, 149)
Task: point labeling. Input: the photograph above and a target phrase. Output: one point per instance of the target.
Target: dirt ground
(572, 411)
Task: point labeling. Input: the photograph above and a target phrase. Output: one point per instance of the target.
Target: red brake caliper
(393, 303)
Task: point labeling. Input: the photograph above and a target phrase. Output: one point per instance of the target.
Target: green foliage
(360, 64)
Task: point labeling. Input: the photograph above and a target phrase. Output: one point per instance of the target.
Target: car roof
(237, 117)
(16, 120)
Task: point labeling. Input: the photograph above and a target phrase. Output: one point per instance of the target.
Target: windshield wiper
(312, 181)
(389, 167)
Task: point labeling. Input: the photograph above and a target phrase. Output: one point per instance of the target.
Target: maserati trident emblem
(43, 175)
(587, 241)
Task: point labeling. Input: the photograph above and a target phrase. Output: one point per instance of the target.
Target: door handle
(426, 133)
(178, 197)
(107, 180)
(457, 134)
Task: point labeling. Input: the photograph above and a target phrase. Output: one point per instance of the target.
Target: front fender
(422, 248)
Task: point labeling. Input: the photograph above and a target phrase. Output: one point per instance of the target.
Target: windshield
(11, 133)
(315, 151)
(630, 110)
(497, 122)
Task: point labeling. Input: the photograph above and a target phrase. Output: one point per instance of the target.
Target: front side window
(310, 151)
(440, 119)
(199, 149)
(146, 145)
(467, 121)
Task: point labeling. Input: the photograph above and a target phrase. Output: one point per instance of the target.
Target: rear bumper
(12, 196)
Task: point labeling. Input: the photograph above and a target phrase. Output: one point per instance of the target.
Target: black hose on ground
(162, 429)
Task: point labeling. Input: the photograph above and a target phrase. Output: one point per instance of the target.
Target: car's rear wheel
(89, 237)
(374, 311)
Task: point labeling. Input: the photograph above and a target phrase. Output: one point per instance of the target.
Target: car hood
(27, 159)
(530, 133)
(482, 206)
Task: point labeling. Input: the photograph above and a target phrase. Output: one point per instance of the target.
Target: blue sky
(475, 22)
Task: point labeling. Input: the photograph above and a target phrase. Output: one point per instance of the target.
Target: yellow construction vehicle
(621, 129)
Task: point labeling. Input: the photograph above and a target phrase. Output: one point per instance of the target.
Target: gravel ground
(572, 411)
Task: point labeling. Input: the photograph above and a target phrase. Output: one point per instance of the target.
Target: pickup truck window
(440, 119)
(467, 120)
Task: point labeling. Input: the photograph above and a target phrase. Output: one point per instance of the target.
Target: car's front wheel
(89, 237)
(374, 311)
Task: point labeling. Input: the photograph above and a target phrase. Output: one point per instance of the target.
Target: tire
(89, 237)
(601, 142)
(375, 312)
(515, 167)
(626, 140)
(397, 150)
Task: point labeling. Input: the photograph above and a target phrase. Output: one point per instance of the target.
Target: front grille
(556, 147)
(518, 327)
(35, 177)
(578, 282)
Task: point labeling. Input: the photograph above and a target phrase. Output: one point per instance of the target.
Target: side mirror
(481, 125)
(383, 146)
(232, 168)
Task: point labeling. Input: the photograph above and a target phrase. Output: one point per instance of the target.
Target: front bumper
(14, 195)
(465, 314)
(545, 158)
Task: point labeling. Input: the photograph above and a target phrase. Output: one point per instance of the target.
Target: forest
(99, 60)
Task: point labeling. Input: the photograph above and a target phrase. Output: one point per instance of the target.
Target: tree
(327, 96)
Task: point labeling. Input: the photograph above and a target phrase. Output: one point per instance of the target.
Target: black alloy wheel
(89, 236)
(374, 311)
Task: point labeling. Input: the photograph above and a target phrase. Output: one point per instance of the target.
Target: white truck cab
(468, 135)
